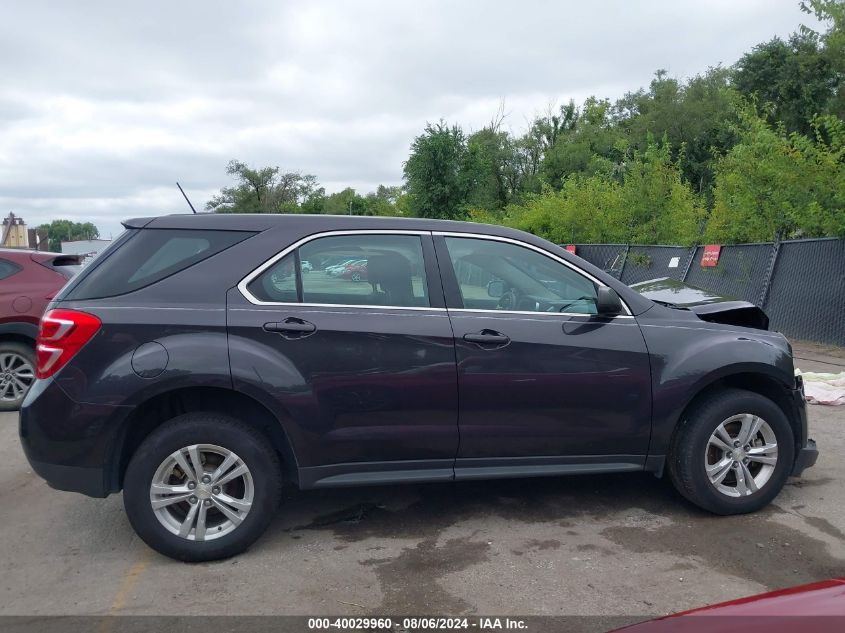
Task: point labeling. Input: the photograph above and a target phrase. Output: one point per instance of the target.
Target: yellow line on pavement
(128, 584)
(130, 580)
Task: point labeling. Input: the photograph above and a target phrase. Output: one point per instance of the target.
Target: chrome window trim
(388, 311)
(548, 314)
(242, 285)
(496, 238)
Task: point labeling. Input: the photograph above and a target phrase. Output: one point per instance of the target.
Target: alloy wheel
(16, 376)
(202, 492)
(741, 455)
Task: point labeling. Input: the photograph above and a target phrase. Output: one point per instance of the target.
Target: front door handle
(488, 337)
(291, 326)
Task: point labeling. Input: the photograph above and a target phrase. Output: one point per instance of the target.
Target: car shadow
(415, 510)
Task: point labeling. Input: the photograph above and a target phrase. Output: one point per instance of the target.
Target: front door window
(494, 275)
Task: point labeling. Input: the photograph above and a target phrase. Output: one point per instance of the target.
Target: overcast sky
(104, 105)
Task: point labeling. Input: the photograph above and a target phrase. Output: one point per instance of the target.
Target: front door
(543, 381)
(349, 335)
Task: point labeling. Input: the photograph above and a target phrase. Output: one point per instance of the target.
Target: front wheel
(203, 486)
(732, 453)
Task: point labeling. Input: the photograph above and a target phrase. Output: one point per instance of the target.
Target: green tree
(658, 205)
(793, 80)
(59, 231)
(346, 202)
(314, 201)
(777, 185)
(694, 116)
(647, 202)
(383, 201)
(436, 173)
(831, 12)
(264, 190)
(585, 143)
(491, 169)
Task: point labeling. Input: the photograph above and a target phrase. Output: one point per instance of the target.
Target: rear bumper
(67, 443)
(88, 481)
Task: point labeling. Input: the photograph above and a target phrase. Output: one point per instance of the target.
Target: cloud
(103, 106)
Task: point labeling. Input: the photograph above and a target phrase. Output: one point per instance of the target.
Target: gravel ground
(609, 545)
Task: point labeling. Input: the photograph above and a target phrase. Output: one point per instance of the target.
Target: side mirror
(608, 302)
(496, 289)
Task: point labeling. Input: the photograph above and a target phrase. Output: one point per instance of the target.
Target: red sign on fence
(571, 248)
(710, 257)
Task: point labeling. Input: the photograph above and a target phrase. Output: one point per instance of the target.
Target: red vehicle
(28, 281)
(356, 271)
(818, 606)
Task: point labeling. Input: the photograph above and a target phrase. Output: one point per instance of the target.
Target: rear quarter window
(7, 268)
(150, 256)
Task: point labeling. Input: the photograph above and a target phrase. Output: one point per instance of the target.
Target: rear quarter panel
(185, 314)
(25, 295)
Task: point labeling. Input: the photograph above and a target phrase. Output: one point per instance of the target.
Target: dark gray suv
(197, 365)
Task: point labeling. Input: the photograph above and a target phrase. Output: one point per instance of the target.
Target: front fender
(687, 360)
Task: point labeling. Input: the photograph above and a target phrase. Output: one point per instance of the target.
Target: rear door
(545, 384)
(359, 362)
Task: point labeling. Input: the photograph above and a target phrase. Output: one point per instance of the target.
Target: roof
(26, 250)
(264, 221)
(97, 241)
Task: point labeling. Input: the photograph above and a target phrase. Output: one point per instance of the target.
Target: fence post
(767, 282)
(689, 262)
(624, 261)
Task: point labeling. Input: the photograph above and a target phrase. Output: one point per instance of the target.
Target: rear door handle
(291, 325)
(487, 337)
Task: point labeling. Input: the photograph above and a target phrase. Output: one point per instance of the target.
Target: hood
(707, 305)
(809, 602)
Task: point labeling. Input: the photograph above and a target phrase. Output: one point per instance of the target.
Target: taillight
(61, 335)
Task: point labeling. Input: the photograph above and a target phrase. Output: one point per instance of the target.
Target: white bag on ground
(822, 388)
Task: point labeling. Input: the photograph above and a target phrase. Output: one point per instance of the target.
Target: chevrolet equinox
(197, 364)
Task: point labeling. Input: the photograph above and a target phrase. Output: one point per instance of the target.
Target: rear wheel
(203, 486)
(732, 453)
(17, 373)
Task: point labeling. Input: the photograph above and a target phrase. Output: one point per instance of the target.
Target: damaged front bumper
(807, 455)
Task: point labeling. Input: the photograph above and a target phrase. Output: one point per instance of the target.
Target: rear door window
(150, 256)
(278, 283)
(360, 269)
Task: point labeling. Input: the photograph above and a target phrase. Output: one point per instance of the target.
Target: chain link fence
(799, 283)
(609, 257)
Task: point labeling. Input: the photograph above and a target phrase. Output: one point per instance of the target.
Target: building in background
(87, 248)
(17, 235)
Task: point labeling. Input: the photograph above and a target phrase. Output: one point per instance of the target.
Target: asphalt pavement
(590, 545)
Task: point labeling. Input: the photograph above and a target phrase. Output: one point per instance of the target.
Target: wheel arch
(761, 383)
(19, 332)
(153, 412)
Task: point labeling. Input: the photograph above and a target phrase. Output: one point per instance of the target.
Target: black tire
(687, 454)
(27, 353)
(202, 428)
